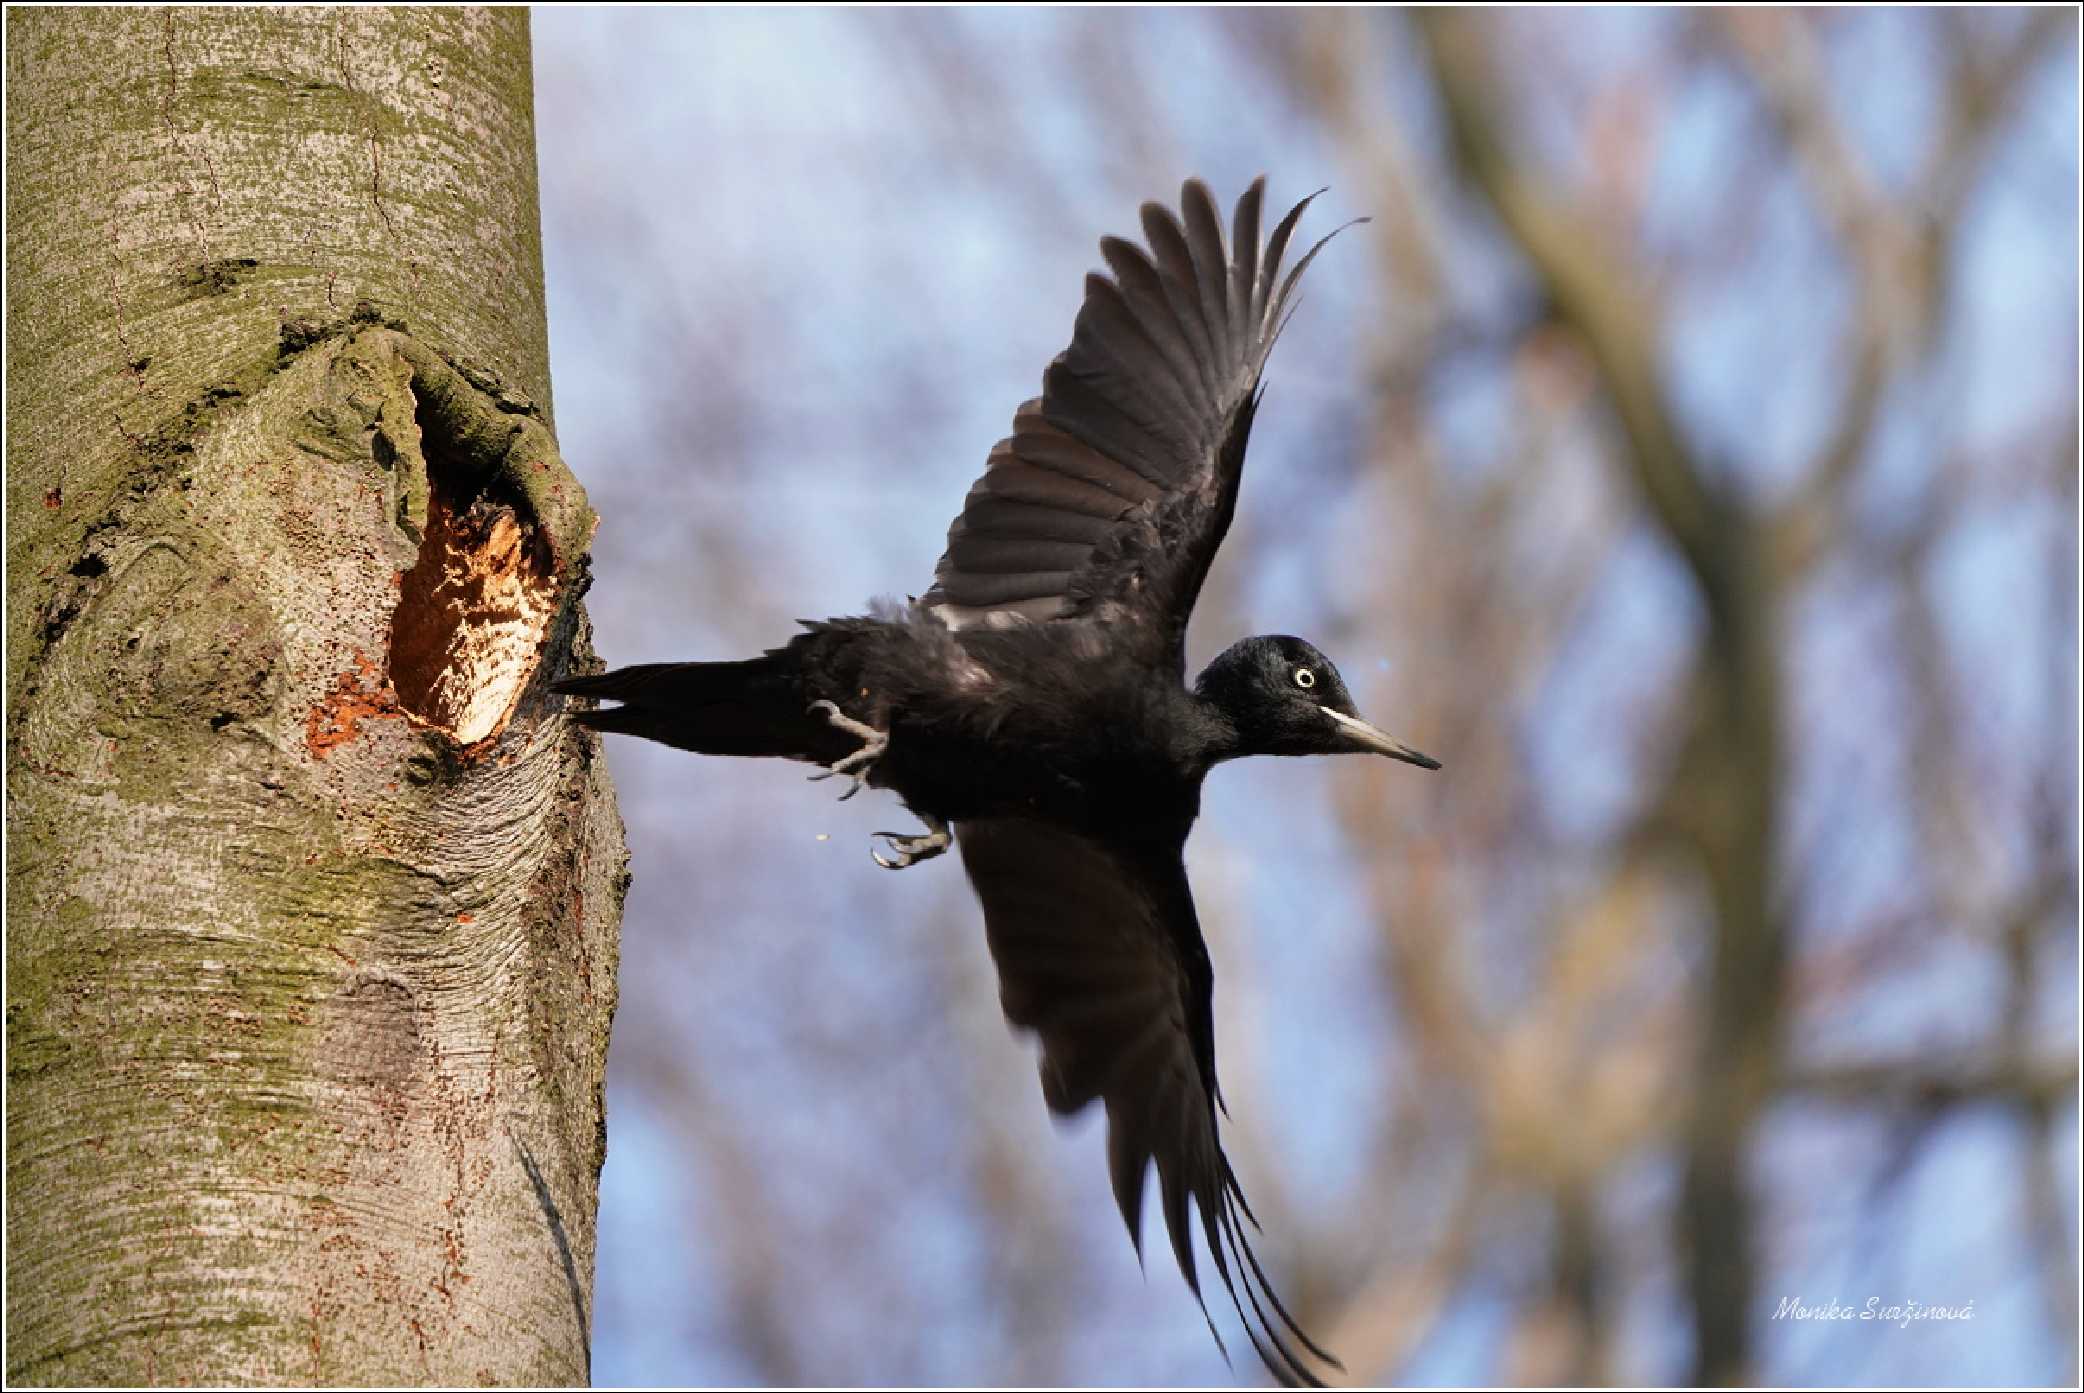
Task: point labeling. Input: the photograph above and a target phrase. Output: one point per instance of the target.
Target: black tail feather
(667, 685)
(755, 707)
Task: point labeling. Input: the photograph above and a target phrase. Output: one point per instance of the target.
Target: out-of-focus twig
(1722, 796)
(1589, 290)
(1892, 1084)
(1900, 253)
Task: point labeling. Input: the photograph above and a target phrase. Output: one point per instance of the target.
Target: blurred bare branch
(1588, 287)
(1722, 795)
(1756, 687)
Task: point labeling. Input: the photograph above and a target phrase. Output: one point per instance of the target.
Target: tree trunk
(311, 896)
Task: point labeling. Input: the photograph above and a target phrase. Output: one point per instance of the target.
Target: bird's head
(1285, 698)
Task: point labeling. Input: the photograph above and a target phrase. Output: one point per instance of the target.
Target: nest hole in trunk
(473, 609)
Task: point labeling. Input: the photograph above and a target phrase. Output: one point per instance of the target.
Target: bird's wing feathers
(1118, 482)
(1099, 954)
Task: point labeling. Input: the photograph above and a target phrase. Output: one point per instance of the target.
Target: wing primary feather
(1235, 1196)
(1204, 227)
(1099, 953)
(1125, 348)
(1128, 1163)
(1137, 280)
(1080, 409)
(1173, 1191)
(1174, 261)
(1280, 304)
(1237, 1192)
(1270, 263)
(1244, 253)
(1285, 1364)
(1117, 485)
(1281, 1362)
(1215, 1247)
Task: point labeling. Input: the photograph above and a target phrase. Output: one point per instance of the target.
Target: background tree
(1686, 454)
(311, 905)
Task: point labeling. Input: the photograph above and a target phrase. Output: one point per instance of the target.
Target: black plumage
(1036, 698)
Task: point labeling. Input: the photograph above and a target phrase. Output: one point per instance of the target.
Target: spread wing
(1119, 481)
(1099, 953)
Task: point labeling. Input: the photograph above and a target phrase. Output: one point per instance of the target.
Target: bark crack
(376, 159)
(197, 221)
(555, 1220)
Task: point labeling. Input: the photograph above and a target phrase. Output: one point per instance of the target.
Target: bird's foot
(856, 765)
(910, 851)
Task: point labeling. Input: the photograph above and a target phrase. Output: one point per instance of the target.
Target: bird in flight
(1033, 708)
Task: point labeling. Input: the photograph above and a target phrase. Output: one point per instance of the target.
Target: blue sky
(797, 284)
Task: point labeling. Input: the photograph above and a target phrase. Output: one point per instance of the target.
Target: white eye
(1305, 678)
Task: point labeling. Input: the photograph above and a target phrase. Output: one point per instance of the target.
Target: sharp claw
(905, 850)
(857, 764)
(911, 850)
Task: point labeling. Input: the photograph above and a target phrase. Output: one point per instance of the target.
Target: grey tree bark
(312, 898)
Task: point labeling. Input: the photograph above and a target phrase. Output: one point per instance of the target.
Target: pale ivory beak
(1365, 737)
